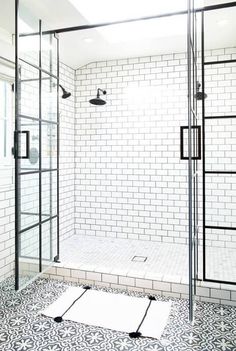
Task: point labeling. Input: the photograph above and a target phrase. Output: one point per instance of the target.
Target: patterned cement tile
(22, 329)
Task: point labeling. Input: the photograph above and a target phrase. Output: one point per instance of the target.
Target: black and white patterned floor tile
(22, 329)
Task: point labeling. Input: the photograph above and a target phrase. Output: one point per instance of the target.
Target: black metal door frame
(146, 18)
(204, 171)
(18, 171)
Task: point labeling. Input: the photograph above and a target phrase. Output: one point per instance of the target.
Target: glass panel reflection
(29, 200)
(49, 98)
(28, 256)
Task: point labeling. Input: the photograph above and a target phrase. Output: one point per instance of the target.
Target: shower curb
(170, 287)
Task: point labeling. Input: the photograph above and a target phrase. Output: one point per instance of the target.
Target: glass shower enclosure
(36, 141)
(36, 148)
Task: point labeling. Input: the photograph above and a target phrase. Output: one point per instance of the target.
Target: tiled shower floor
(114, 256)
(165, 261)
(24, 329)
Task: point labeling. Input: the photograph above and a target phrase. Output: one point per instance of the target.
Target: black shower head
(65, 94)
(199, 94)
(98, 101)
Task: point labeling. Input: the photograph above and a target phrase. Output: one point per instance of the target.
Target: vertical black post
(197, 144)
(40, 146)
(58, 154)
(190, 186)
(193, 124)
(203, 149)
(16, 149)
(51, 151)
(197, 153)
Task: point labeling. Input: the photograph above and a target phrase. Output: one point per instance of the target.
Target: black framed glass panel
(35, 148)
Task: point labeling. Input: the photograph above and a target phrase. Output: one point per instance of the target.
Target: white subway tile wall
(130, 181)
(7, 235)
(67, 154)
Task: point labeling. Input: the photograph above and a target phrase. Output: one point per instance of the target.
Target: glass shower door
(35, 148)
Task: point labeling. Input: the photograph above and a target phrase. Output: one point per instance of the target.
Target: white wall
(130, 181)
(67, 154)
(7, 218)
(6, 49)
(6, 231)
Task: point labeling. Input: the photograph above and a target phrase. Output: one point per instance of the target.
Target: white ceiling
(141, 38)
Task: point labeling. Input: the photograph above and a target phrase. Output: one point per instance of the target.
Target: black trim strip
(215, 117)
(17, 182)
(137, 333)
(220, 172)
(219, 281)
(59, 319)
(34, 214)
(219, 62)
(40, 147)
(37, 119)
(38, 171)
(39, 68)
(32, 79)
(36, 224)
(219, 227)
(97, 25)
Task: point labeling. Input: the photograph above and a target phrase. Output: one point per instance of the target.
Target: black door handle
(197, 155)
(16, 148)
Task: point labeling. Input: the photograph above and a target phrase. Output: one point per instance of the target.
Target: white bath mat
(119, 312)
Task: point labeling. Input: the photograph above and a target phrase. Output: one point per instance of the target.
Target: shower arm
(103, 92)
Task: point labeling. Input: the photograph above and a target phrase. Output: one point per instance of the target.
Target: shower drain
(139, 259)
